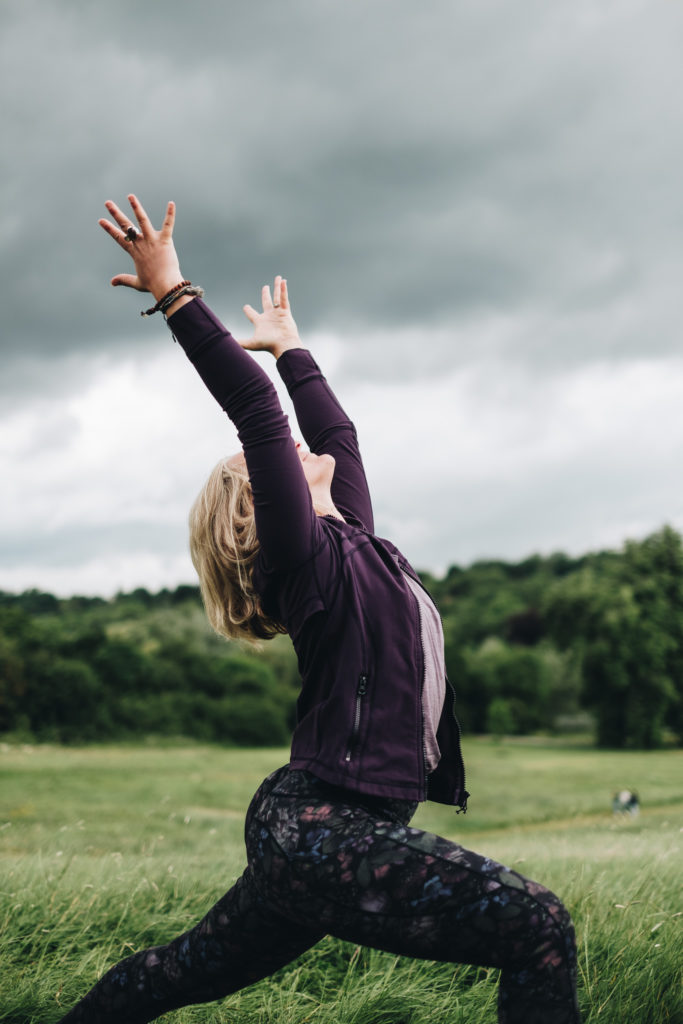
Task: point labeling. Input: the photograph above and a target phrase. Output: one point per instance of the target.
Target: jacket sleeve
(286, 525)
(327, 429)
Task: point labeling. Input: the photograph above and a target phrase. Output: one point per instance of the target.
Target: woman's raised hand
(274, 328)
(157, 269)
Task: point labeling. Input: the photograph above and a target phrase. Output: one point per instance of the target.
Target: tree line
(541, 645)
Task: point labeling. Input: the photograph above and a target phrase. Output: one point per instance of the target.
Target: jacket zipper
(462, 808)
(361, 691)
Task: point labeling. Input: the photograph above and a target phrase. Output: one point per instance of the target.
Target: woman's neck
(323, 504)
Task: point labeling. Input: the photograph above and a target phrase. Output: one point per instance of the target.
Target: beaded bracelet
(155, 309)
(189, 289)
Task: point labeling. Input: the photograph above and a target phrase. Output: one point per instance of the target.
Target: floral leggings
(323, 860)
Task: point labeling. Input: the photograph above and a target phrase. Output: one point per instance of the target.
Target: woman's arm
(324, 424)
(287, 527)
(286, 524)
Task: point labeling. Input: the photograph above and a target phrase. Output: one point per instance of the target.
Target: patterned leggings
(323, 860)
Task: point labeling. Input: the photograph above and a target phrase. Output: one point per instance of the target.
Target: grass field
(105, 850)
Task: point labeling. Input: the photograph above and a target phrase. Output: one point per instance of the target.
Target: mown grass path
(108, 849)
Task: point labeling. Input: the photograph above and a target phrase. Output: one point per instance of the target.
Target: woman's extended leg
(238, 942)
(241, 940)
(353, 866)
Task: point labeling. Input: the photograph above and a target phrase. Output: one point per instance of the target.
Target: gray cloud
(403, 164)
(62, 547)
(487, 189)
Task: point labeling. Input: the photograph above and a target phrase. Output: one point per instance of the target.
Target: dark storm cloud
(434, 165)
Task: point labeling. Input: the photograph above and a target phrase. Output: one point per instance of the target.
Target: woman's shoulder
(296, 591)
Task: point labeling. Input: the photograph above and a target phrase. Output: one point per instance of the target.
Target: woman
(283, 540)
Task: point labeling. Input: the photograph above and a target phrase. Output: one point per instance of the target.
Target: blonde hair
(223, 546)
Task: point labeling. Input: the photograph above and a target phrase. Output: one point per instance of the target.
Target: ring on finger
(132, 234)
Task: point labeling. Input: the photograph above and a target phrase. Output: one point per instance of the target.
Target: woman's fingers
(128, 281)
(169, 221)
(125, 223)
(146, 226)
(115, 232)
(108, 227)
(119, 216)
(277, 301)
(280, 298)
(139, 211)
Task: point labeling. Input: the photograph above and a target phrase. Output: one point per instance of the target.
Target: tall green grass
(107, 850)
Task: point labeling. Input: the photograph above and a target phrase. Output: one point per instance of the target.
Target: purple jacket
(337, 588)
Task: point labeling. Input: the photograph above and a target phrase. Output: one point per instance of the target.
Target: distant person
(625, 801)
(282, 539)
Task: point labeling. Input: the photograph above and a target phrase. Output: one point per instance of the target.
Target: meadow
(105, 850)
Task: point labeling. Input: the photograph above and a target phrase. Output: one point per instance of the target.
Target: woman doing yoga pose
(283, 540)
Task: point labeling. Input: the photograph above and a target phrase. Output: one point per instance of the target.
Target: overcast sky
(477, 208)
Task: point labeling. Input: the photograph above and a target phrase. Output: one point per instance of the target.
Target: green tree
(519, 676)
(500, 720)
(13, 685)
(65, 700)
(624, 623)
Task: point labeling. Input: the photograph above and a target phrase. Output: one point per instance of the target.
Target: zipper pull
(361, 690)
